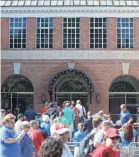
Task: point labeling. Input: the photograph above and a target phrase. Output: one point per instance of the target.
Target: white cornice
(70, 11)
(69, 54)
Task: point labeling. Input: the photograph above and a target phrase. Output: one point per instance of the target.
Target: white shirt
(66, 151)
(17, 126)
(81, 109)
(98, 137)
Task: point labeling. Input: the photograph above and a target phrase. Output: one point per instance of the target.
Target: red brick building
(72, 49)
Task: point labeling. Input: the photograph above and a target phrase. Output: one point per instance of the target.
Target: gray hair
(25, 124)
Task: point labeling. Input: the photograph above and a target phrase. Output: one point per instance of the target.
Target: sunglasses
(115, 138)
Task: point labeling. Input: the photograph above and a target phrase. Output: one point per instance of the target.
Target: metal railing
(133, 149)
(74, 147)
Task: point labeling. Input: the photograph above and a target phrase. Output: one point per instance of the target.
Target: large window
(17, 32)
(44, 33)
(98, 32)
(125, 33)
(71, 32)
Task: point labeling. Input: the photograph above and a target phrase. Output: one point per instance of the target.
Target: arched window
(122, 86)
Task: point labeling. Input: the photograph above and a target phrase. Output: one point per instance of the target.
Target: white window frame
(48, 28)
(67, 28)
(97, 28)
(21, 33)
(122, 28)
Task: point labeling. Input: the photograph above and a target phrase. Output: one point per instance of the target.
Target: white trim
(70, 11)
(69, 54)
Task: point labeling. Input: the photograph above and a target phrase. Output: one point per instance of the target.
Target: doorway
(17, 93)
(124, 90)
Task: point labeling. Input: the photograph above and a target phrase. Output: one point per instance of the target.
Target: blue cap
(20, 115)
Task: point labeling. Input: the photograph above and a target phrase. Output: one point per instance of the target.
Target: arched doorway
(123, 90)
(17, 93)
(71, 84)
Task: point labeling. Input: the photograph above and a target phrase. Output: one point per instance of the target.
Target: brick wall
(101, 72)
(84, 33)
(111, 33)
(136, 32)
(4, 33)
(57, 34)
(31, 33)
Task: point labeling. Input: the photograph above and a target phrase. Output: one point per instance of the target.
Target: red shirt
(44, 109)
(101, 151)
(76, 111)
(36, 137)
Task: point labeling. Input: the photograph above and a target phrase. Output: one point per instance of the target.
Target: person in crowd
(127, 134)
(76, 112)
(17, 126)
(52, 147)
(80, 134)
(109, 118)
(69, 115)
(109, 148)
(35, 135)
(59, 109)
(101, 115)
(46, 124)
(30, 113)
(88, 122)
(61, 131)
(2, 114)
(52, 112)
(99, 134)
(45, 108)
(106, 124)
(27, 147)
(82, 110)
(9, 141)
(125, 115)
(61, 119)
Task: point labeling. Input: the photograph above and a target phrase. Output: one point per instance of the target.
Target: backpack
(87, 145)
(103, 151)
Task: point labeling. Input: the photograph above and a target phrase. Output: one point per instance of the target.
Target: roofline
(70, 11)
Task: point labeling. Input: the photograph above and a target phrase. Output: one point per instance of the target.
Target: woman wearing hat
(60, 130)
(109, 149)
(10, 146)
(26, 144)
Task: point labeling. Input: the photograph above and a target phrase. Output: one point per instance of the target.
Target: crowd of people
(46, 134)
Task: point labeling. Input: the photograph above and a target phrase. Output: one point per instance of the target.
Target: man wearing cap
(62, 132)
(17, 126)
(9, 141)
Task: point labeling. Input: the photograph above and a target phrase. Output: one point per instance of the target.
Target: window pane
(18, 33)
(125, 32)
(45, 33)
(71, 32)
(98, 32)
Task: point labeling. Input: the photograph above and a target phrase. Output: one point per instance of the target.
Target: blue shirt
(27, 147)
(88, 124)
(30, 114)
(79, 136)
(125, 116)
(8, 149)
(125, 142)
(69, 115)
(46, 127)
